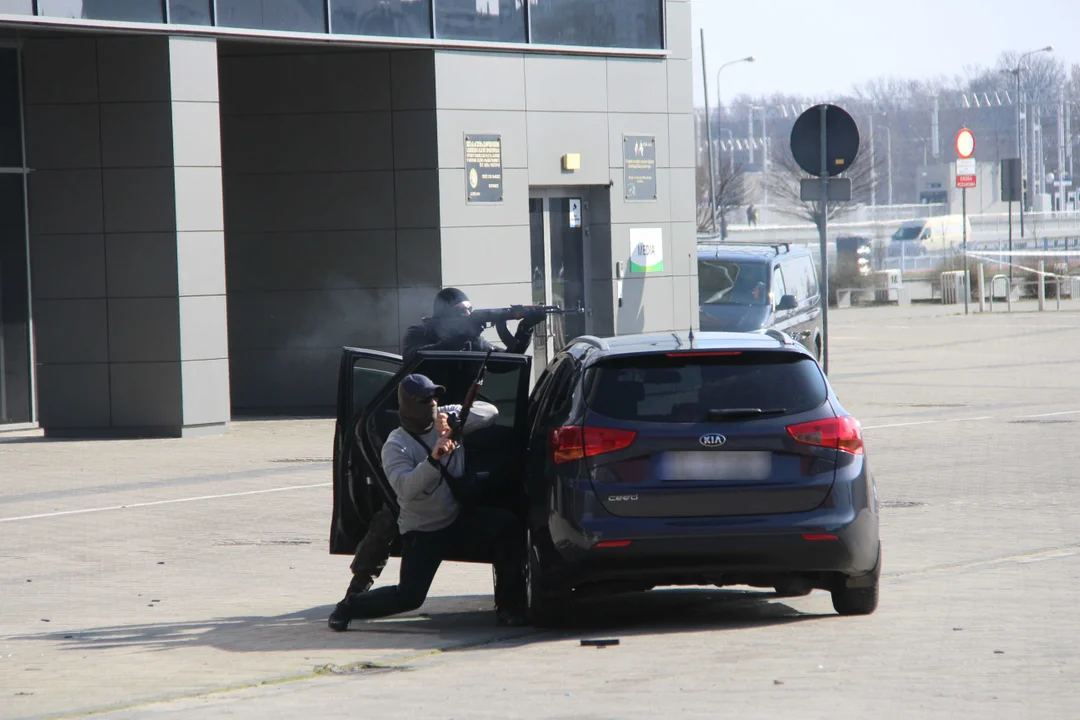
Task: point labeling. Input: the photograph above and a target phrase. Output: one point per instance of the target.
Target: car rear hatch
(706, 434)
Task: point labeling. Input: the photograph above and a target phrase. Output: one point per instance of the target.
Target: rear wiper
(729, 413)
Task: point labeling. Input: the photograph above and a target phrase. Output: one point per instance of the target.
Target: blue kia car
(644, 461)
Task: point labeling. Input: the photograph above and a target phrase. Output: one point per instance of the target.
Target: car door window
(809, 276)
(779, 289)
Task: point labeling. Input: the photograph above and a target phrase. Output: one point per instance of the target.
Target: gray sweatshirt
(425, 499)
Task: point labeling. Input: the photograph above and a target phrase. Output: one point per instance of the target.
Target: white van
(929, 235)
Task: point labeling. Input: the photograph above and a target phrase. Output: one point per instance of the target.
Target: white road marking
(1053, 414)
(319, 485)
(162, 502)
(925, 422)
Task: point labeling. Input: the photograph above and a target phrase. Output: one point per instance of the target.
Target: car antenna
(691, 336)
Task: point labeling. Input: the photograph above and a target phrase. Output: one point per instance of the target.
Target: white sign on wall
(575, 212)
(646, 250)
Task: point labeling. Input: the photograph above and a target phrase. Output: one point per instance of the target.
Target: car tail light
(612, 544)
(841, 433)
(572, 442)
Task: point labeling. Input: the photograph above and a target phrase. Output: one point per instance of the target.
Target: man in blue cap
(422, 464)
(450, 327)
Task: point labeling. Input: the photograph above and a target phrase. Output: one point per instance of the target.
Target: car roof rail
(598, 343)
(748, 243)
(778, 336)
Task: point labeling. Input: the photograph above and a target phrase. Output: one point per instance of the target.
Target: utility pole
(708, 134)
(873, 165)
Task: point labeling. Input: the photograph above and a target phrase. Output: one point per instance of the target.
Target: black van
(744, 288)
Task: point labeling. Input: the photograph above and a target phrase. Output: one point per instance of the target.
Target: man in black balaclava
(451, 328)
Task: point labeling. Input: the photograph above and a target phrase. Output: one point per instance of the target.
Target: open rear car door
(498, 449)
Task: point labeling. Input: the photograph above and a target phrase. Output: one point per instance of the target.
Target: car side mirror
(788, 302)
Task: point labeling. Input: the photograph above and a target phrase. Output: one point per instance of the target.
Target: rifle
(531, 314)
(457, 427)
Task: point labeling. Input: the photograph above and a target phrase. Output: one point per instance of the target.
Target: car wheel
(855, 601)
(542, 609)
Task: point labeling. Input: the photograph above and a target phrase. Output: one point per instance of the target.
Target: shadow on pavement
(443, 623)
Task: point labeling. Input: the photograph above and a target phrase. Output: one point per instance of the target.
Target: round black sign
(841, 141)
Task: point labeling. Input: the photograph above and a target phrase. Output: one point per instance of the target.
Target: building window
(484, 20)
(636, 24)
(389, 18)
(285, 15)
(147, 11)
(190, 12)
(17, 7)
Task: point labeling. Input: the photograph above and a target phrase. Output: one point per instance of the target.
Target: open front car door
(362, 374)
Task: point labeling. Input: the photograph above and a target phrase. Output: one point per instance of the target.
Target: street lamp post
(1019, 131)
(719, 104)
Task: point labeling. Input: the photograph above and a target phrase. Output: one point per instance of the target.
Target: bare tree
(783, 183)
(730, 194)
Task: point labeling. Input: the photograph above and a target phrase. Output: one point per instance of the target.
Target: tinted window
(10, 125)
(501, 384)
(727, 282)
(298, 15)
(151, 12)
(395, 18)
(189, 12)
(14, 304)
(17, 7)
(684, 390)
(599, 23)
(495, 20)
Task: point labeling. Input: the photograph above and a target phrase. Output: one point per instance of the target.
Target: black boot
(340, 618)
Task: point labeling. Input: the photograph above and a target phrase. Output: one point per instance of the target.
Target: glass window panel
(17, 7)
(392, 18)
(492, 20)
(10, 125)
(14, 304)
(190, 12)
(284, 15)
(149, 11)
(598, 23)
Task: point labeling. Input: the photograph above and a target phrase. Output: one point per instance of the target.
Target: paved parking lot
(190, 578)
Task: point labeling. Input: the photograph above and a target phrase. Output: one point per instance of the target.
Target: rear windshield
(662, 389)
(727, 282)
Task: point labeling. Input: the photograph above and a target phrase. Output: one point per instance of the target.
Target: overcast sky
(867, 39)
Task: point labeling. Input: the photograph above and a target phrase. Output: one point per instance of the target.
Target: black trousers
(481, 534)
(373, 551)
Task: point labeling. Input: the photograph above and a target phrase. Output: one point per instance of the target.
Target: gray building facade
(200, 206)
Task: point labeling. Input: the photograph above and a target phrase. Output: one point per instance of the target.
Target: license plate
(720, 465)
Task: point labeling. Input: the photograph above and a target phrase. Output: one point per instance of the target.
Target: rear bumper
(718, 550)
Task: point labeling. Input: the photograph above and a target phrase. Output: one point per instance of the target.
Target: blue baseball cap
(421, 386)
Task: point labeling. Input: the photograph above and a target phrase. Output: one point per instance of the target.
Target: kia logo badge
(712, 440)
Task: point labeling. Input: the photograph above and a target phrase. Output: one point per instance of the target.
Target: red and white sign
(965, 166)
(965, 144)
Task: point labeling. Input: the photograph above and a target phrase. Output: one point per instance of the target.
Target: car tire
(543, 610)
(855, 601)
